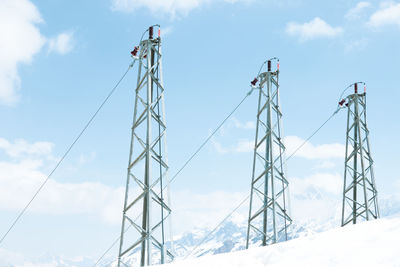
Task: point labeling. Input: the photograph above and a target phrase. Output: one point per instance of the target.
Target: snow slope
(229, 237)
(373, 243)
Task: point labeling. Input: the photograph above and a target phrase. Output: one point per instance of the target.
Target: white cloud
(165, 31)
(356, 45)
(62, 43)
(316, 197)
(22, 148)
(388, 14)
(292, 143)
(22, 176)
(248, 125)
(322, 182)
(356, 12)
(242, 146)
(219, 148)
(171, 8)
(19, 181)
(20, 41)
(86, 158)
(310, 151)
(316, 28)
(204, 210)
(325, 165)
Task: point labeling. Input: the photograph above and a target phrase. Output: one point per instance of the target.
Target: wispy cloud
(20, 41)
(316, 196)
(86, 158)
(21, 148)
(388, 14)
(356, 45)
(310, 151)
(22, 173)
(165, 31)
(357, 11)
(316, 28)
(292, 143)
(171, 8)
(18, 182)
(326, 164)
(62, 43)
(248, 125)
(242, 146)
(323, 182)
(204, 209)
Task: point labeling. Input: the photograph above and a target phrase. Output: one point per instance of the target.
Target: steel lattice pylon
(145, 206)
(268, 217)
(360, 200)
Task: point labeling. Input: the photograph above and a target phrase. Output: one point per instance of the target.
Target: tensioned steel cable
(112, 245)
(312, 135)
(190, 159)
(196, 152)
(248, 196)
(66, 153)
(211, 135)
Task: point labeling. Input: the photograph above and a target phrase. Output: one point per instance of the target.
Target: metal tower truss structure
(145, 206)
(360, 200)
(268, 217)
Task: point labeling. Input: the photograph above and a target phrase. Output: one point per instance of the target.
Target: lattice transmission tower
(268, 220)
(360, 196)
(146, 207)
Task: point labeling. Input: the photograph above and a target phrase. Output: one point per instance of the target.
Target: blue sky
(59, 59)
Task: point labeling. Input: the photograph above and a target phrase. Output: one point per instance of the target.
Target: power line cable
(66, 153)
(189, 159)
(312, 135)
(248, 196)
(199, 149)
(110, 247)
(211, 135)
(206, 141)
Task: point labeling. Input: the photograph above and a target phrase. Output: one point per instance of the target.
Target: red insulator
(135, 51)
(159, 32)
(342, 102)
(151, 32)
(269, 65)
(355, 88)
(254, 82)
(365, 88)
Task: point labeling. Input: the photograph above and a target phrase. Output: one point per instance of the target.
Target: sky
(59, 59)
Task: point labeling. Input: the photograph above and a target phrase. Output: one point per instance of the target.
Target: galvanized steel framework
(360, 201)
(268, 217)
(145, 206)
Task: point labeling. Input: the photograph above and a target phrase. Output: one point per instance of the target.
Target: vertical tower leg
(145, 209)
(268, 218)
(360, 201)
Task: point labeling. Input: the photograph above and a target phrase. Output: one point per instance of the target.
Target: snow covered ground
(373, 243)
(315, 243)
